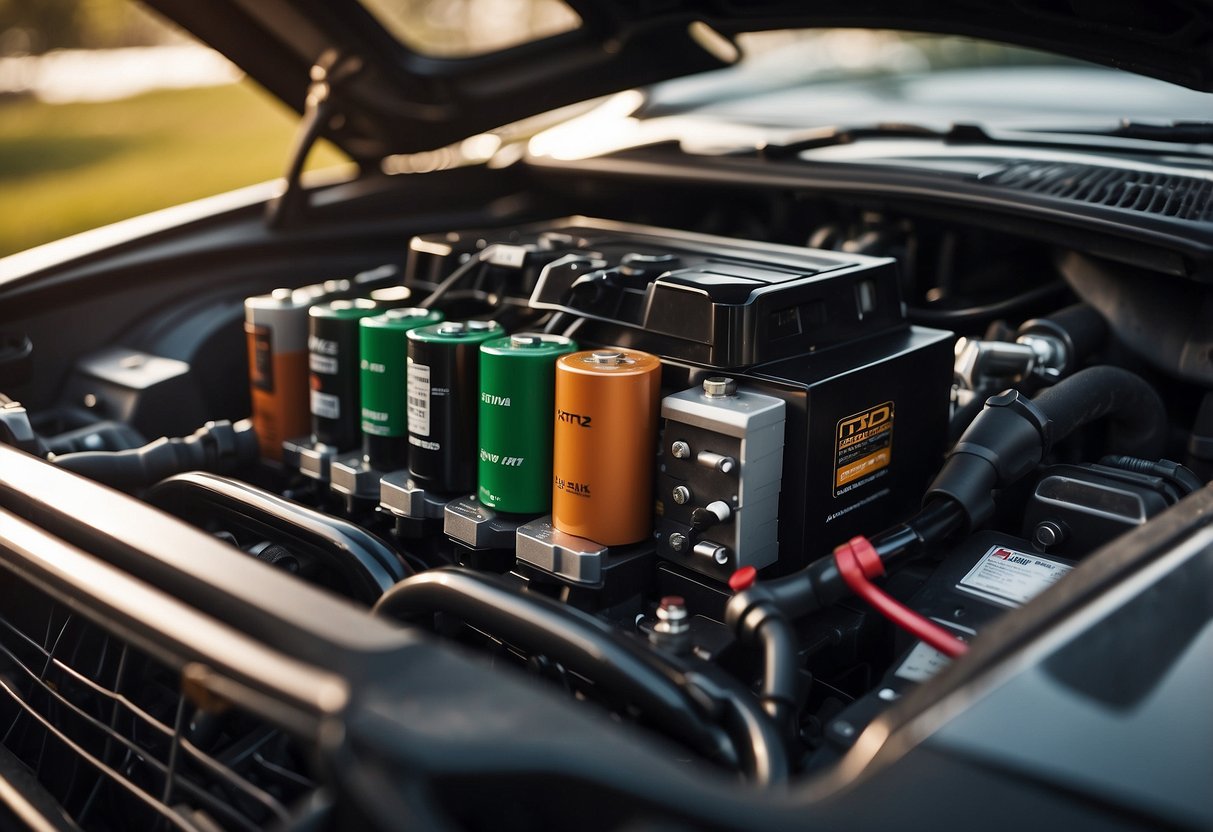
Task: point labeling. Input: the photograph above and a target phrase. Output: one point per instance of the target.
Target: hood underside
(400, 101)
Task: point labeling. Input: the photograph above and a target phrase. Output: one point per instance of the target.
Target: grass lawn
(66, 168)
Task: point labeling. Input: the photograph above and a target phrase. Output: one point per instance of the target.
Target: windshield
(807, 78)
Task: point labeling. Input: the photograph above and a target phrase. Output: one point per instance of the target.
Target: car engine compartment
(741, 476)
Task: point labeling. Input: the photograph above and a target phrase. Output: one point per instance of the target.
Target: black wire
(453, 278)
(982, 312)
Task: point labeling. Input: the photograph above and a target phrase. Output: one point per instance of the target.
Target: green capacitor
(383, 353)
(517, 394)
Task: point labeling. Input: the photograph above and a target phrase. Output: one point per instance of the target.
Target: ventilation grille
(1166, 195)
(106, 730)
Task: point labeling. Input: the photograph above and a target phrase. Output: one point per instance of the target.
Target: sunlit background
(108, 112)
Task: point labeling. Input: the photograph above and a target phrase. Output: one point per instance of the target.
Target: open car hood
(398, 101)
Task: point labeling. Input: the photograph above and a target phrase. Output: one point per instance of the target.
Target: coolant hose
(1136, 415)
(219, 447)
(1011, 436)
(660, 686)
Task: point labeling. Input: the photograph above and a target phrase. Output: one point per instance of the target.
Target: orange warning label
(864, 446)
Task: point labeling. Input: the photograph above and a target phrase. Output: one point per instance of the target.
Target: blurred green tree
(37, 26)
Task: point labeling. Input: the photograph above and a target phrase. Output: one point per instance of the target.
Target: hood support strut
(330, 71)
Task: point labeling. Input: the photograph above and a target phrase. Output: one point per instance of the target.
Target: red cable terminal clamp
(858, 563)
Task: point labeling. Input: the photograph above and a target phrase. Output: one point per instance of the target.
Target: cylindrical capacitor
(517, 393)
(333, 359)
(605, 444)
(276, 327)
(383, 350)
(443, 387)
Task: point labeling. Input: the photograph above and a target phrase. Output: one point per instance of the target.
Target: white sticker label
(512, 257)
(923, 662)
(1011, 578)
(419, 398)
(325, 405)
(325, 364)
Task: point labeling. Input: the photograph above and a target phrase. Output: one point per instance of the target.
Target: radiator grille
(1169, 195)
(107, 731)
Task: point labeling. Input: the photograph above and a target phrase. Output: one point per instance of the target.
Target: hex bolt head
(681, 495)
(718, 387)
(680, 449)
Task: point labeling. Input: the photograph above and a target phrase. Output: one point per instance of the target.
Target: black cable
(466, 268)
(1183, 478)
(984, 312)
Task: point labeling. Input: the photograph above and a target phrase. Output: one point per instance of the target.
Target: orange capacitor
(276, 325)
(605, 444)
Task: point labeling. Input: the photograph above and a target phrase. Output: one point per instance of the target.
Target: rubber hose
(591, 648)
(219, 447)
(1138, 418)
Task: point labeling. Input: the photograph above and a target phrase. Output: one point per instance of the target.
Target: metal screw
(678, 541)
(681, 495)
(680, 450)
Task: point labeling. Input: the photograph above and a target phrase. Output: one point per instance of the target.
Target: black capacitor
(335, 377)
(443, 403)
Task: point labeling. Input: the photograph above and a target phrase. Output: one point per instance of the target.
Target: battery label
(1011, 578)
(419, 398)
(323, 364)
(325, 405)
(261, 344)
(864, 447)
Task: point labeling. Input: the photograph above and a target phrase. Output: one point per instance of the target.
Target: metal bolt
(680, 450)
(672, 616)
(718, 387)
(681, 495)
(678, 541)
(1049, 534)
